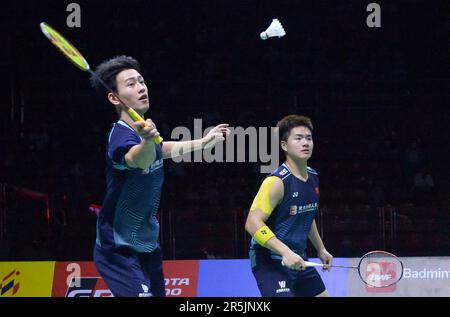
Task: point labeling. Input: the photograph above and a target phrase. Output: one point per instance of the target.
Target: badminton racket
(70, 51)
(375, 268)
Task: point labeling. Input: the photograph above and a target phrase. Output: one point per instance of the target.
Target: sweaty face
(299, 144)
(132, 90)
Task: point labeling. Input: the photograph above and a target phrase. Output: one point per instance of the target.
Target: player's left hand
(326, 258)
(217, 134)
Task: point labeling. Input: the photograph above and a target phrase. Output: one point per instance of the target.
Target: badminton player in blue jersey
(282, 219)
(127, 253)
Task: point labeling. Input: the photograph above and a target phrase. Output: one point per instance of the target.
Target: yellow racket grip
(136, 117)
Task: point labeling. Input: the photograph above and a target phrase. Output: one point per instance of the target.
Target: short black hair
(289, 122)
(109, 69)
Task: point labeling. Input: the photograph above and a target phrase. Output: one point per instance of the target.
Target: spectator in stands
(413, 157)
(423, 187)
(376, 196)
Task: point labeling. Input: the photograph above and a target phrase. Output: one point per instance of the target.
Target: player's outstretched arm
(172, 149)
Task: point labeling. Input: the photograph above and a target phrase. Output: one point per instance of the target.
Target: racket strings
(380, 269)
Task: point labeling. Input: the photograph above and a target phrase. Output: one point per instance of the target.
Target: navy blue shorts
(275, 280)
(131, 274)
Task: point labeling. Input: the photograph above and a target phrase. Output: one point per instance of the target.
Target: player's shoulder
(121, 130)
(122, 126)
(311, 170)
(281, 172)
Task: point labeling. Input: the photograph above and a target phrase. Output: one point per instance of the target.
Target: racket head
(380, 269)
(64, 46)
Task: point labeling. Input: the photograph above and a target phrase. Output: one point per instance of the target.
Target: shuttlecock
(275, 29)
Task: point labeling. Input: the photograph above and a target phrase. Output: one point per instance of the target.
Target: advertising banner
(226, 278)
(81, 279)
(181, 278)
(422, 277)
(26, 279)
(78, 279)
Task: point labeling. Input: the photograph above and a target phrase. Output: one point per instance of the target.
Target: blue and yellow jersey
(292, 218)
(128, 214)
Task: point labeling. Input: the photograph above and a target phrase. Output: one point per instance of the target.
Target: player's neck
(126, 118)
(298, 168)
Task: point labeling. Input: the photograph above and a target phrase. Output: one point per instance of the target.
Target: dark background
(378, 98)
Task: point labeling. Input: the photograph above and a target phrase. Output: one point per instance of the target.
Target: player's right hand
(293, 261)
(146, 129)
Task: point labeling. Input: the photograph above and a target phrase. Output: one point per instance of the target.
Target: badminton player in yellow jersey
(281, 219)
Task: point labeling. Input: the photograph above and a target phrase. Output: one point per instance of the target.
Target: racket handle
(158, 139)
(136, 117)
(307, 263)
